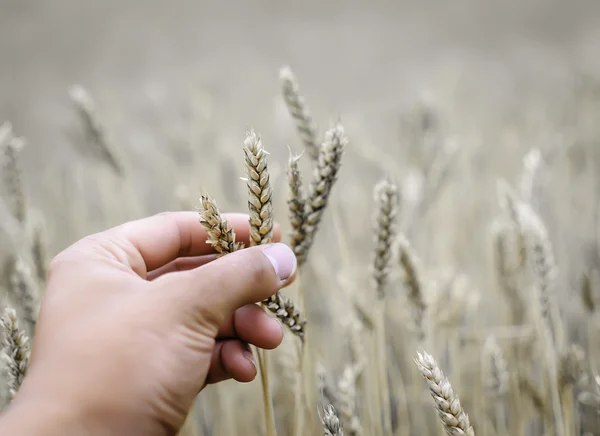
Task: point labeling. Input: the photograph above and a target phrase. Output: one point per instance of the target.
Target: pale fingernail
(283, 260)
(249, 356)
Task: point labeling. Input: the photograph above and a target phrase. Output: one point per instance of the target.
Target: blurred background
(176, 84)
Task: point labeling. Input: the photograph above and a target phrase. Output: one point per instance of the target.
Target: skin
(136, 320)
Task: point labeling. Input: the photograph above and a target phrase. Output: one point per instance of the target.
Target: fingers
(251, 324)
(163, 238)
(181, 264)
(232, 281)
(231, 359)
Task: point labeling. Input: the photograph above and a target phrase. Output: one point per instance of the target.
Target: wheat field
(447, 220)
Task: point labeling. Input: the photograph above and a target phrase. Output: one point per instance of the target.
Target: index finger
(165, 237)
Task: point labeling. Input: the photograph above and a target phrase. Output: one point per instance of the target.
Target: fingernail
(283, 260)
(249, 356)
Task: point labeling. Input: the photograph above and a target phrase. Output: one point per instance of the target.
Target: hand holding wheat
(147, 315)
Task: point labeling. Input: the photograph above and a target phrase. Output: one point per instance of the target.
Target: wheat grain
(452, 415)
(15, 351)
(299, 111)
(324, 177)
(220, 235)
(386, 198)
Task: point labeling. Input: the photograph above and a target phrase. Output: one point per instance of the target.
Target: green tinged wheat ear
(453, 417)
(324, 177)
(299, 111)
(220, 235)
(15, 351)
(11, 147)
(386, 209)
(331, 422)
(94, 130)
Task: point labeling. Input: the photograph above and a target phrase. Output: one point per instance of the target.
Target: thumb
(244, 277)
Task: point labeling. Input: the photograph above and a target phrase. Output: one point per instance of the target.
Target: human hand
(136, 320)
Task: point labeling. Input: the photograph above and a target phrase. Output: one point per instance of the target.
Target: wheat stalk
(15, 351)
(324, 177)
(39, 252)
(11, 147)
(452, 415)
(299, 111)
(94, 130)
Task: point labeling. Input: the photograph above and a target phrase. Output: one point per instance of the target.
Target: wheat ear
(296, 200)
(452, 415)
(386, 209)
(220, 235)
(11, 147)
(324, 177)
(15, 351)
(25, 290)
(299, 111)
(95, 132)
(331, 422)
(413, 284)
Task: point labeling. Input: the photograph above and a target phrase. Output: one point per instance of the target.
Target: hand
(135, 321)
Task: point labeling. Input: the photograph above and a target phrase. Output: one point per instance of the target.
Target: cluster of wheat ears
(534, 381)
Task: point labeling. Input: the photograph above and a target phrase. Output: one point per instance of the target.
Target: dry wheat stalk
(259, 191)
(15, 350)
(220, 235)
(94, 130)
(347, 384)
(10, 146)
(452, 415)
(528, 387)
(324, 177)
(296, 200)
(331, 422)
(386, 198)
(25, 291)
(409, 264)
(299, 111)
